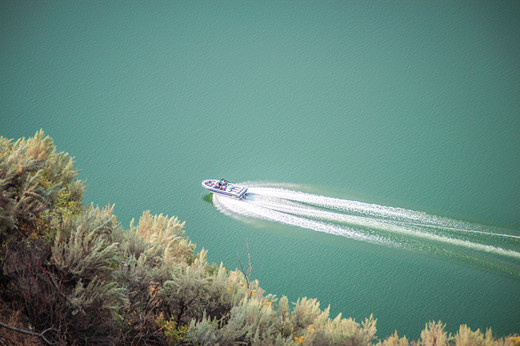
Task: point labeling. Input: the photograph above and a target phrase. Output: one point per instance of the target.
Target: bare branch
(28, 332)
(242, 270)
(250, 268)
(247, 274)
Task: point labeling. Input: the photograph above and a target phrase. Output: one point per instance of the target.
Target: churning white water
(368, 222)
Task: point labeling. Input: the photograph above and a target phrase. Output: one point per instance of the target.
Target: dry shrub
(395, 340)
(434, 334)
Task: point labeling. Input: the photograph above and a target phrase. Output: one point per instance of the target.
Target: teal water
(399, 104)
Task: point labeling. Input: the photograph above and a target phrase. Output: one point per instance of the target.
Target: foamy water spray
(366, 221)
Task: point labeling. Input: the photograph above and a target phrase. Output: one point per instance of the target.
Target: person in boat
(223, 184)
(219, 184)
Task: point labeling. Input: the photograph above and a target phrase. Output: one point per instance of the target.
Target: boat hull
(231, 190)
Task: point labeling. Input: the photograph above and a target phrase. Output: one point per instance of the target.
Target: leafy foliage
(73, 272)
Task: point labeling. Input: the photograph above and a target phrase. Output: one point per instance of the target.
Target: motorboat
(223, 187)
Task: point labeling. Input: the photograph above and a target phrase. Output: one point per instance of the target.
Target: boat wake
(390, 226)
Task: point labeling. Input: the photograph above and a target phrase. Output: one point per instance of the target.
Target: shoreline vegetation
(71, 274)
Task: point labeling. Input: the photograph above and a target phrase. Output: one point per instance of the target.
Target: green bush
(35, 182)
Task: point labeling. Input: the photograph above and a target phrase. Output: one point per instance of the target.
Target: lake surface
(392, 106)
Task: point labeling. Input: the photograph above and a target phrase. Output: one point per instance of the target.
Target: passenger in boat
(220, 184)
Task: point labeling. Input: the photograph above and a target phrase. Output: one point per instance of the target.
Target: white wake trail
(405, 216)
(368, 222)
(273, 207)
(250, 209)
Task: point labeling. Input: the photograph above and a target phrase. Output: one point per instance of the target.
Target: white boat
(225, 188)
